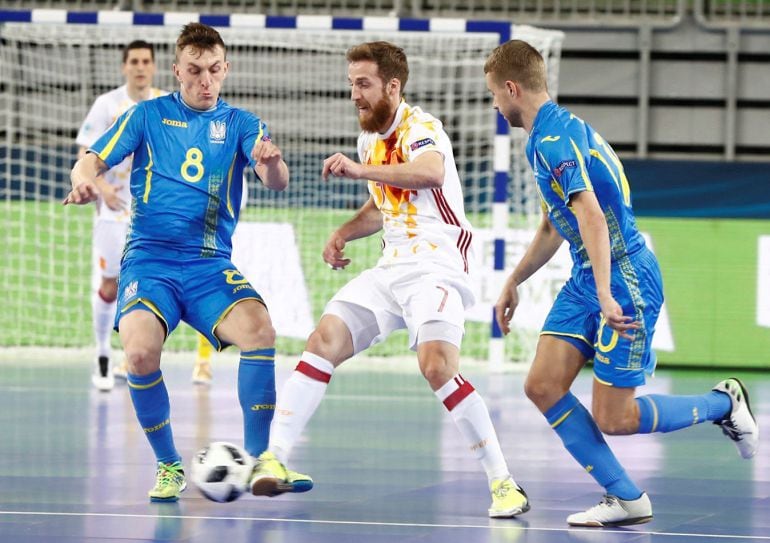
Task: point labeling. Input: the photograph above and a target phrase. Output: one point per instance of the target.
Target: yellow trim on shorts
(603, 382)
(224, 314)
(576, 336)
(151, 306)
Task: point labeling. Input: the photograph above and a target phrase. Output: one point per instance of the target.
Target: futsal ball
(221, 471)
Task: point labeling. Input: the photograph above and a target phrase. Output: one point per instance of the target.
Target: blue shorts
(575, 317)
(199, 291)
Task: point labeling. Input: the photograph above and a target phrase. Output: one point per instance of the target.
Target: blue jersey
(569, 156)
(186, 180)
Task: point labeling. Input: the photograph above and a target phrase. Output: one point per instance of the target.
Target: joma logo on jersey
(558, 170)
(173, 122)
(217, 131)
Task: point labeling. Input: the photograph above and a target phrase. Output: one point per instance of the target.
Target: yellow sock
(204, 350)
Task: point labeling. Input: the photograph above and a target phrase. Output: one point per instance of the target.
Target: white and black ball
(221, 471)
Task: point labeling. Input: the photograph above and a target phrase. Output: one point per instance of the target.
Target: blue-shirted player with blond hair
(608, 308)
(189, 150)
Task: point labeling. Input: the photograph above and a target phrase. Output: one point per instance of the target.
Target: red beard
(378, 117)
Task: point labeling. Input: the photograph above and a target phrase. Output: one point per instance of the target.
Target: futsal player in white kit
(420, 283)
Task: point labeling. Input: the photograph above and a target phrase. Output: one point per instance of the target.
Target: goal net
(296, 81)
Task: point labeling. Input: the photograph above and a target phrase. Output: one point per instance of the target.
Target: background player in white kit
(110, 225)
(421, 282)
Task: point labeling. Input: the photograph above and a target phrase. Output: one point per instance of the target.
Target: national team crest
(130, 290)
(217, 131)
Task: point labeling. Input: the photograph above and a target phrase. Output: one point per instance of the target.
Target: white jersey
(105, 110)
(425, 224)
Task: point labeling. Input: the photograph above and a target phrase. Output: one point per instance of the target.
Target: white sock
(103, 319)
(298, 400)
(471, 416)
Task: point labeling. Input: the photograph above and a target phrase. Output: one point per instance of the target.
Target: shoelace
(168, 473)
(729, 429)
(502, 490)
(607, 501)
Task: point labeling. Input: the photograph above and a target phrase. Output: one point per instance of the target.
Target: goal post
(291, 71)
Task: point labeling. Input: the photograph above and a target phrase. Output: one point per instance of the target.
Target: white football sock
(471, 416)
(103, 319)
(298, 400)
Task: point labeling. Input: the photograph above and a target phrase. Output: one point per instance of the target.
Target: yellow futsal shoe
(202, 373)
(508, 499)
(271, 478)
(170, 482)
(299, 481)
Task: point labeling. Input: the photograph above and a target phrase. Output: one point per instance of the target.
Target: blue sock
(256, 392)
(585, 442)
(150, 398)
(658, 413)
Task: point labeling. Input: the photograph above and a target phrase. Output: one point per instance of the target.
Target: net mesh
(296, 81)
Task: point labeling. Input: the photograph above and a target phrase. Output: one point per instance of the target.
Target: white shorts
(385, 299)
(107, 248)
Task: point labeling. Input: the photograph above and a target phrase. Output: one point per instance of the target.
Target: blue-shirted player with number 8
(608, 308)
(189, 150)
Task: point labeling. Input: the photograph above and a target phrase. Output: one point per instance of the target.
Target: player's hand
(334, 252)
(506, 305)
(341, 166)
(266, 152)
(83, 192)
(613, 316)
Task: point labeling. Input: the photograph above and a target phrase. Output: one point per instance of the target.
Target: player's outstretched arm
(366, 222)
(544, 245)
(424, 172)
(596, 239)
(88, 183)
(270, 166)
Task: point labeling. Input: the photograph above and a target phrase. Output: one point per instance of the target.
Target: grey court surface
(387, 462)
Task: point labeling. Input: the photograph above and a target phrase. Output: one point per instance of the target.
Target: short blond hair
(200, 38)
(518, 61)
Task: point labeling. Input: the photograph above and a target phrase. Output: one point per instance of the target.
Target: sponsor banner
(763, 282)
(268, 256)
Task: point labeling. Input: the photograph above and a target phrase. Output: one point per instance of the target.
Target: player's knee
(327, 342)
(611, 424)
(259, 337)
(436, 372)
(108, 290)
(541, 393)
(142, 360)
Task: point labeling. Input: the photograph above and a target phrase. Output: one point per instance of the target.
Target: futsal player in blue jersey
(189, 149)
(606, 312)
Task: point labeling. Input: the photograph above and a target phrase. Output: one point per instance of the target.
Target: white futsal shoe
(739, 425)
(612, 511)
(102, 377)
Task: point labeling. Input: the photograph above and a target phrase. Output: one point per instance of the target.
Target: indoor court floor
(387, 461)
